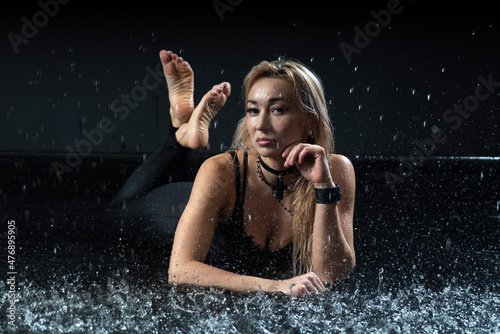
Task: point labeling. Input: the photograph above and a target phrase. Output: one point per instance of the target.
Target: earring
(310, 137)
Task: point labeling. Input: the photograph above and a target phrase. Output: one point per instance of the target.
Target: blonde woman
(275, 214)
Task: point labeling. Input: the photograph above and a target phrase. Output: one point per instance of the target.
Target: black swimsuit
(233, 250)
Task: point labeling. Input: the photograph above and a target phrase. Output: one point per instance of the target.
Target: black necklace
(278, 188)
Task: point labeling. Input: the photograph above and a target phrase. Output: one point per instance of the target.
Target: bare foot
(194, 133)
(180, 82)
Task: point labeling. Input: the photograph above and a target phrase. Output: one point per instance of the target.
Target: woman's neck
(272, 169)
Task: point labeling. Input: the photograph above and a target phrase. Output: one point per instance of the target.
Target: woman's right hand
(304, 285)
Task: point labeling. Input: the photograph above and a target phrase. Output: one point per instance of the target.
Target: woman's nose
(263, 123)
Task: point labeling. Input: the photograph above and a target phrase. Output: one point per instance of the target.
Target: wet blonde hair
(309, 95)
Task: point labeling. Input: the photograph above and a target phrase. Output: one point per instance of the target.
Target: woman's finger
(319, 284)
(311, 288)
(294, 154)
(288, 154)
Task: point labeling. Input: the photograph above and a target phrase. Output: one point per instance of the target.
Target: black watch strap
(328, 195)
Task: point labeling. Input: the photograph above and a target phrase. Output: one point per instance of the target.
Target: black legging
(144, 198)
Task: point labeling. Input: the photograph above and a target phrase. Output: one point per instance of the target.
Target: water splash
(118, 302)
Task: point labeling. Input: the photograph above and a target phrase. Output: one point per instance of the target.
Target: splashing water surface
(418, 271)
(101, 289)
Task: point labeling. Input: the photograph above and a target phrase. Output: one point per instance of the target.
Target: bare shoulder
(217, 172)
(213, 187)
(341, 164)
(218, 163)
(343, 171)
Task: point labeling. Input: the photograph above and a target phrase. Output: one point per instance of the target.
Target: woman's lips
(265, 142)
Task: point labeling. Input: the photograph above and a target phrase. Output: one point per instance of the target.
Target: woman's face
(274, 119)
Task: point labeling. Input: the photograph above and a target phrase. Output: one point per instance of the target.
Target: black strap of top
(245, 168)
(240, 190)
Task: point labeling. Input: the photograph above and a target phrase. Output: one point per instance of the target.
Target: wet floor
(427, 260)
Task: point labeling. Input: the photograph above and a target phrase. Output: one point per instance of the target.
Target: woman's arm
(332, 252)
(333, 255)
(213, 193)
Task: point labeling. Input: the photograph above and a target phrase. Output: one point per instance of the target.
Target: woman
(277, 196)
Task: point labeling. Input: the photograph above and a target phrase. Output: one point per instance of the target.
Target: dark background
(394, 91)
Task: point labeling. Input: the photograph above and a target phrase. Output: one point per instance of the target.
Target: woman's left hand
(312, 162)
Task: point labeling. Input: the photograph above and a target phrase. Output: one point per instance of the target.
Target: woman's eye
(279, 110)
(252, 111)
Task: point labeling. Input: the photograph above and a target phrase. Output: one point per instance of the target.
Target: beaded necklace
(279, 188)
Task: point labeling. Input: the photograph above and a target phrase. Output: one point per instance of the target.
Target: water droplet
(380, 274)
(428, 97)
(351, 90)
(355, 68)
(442, 70)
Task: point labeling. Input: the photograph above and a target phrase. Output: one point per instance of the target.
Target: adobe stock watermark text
(30, 28)
(453, 117)
(121, 108)
(363, 37)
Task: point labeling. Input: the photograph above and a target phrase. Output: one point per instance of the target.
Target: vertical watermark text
(12, 295)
